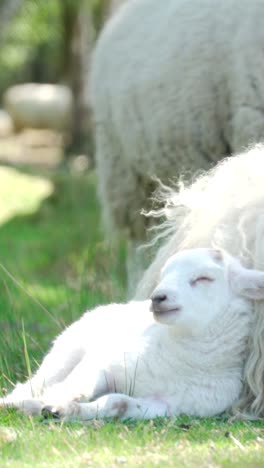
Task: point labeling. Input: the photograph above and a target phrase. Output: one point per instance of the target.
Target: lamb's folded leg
(84, 383)
(30, 407)
(114, 405)
(64, 355)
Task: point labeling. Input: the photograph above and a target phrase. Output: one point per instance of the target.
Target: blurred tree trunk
(78, 36)
(8, 10)
(79, 32)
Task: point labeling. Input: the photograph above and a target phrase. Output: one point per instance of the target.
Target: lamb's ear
(248, 283)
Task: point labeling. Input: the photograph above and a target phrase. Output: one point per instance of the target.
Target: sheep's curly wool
(223, 208)
(175, 86)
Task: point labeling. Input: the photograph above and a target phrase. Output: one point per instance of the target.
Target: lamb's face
(194, 288)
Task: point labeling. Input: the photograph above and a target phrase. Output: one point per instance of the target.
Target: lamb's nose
(158, 298)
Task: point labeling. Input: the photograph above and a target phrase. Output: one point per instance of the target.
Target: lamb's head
(198, 285)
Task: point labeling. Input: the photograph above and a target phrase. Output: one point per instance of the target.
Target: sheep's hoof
(48, 412)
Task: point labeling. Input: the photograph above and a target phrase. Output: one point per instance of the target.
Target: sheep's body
(118, 361)
(174, 86)
(223, 208)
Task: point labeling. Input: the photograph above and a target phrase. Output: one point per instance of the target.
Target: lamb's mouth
(167, 312)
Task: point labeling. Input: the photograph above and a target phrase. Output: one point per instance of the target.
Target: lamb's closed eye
(201, 279)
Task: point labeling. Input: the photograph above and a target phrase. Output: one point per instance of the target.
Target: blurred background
(47, 41)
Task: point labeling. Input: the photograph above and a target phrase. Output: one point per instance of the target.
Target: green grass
(55, 256)
(55, 265)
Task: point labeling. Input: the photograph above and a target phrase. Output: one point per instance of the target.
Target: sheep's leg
(56, 366)
(247, 124)
(122, 202)
(33, 388)
(113, 405)
(85, 382)
(27, 396)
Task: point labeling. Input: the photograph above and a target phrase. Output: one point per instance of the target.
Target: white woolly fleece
(225, 209)
(174, 85)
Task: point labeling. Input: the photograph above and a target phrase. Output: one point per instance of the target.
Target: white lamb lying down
(123, 361)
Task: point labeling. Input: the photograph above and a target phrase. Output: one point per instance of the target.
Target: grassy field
(54, 264)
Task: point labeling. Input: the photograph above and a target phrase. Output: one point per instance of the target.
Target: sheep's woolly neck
(222, 347)
(223, 208)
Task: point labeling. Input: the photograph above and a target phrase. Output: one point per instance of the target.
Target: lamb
(175, 87)
(222, 208)
(123, 361)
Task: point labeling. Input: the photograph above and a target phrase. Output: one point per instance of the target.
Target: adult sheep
(223, 208)
(175, 86)
(119, 362)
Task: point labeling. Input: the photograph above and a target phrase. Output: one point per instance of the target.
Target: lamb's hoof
(48, 412)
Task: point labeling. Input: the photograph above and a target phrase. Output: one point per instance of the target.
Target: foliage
(34, 33)
(34, 45)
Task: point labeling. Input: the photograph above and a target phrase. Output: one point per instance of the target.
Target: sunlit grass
(181, 442)
(20, 193)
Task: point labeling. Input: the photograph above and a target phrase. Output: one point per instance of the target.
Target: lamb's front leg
(52, 371)
(114, 405)
(63, 357)
(85, 382)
